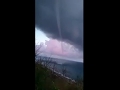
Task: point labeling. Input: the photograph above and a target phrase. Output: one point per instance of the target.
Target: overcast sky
(60, 21)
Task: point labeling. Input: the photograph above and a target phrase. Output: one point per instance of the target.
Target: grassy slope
(46, 80)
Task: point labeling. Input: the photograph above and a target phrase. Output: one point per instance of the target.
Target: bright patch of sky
(40, 36)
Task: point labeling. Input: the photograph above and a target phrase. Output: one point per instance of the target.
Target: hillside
(45, 79)
(73, 68)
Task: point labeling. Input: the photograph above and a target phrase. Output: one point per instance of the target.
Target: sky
(40, 37)
(59, 28)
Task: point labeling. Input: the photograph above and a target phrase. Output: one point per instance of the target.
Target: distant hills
(60, 61)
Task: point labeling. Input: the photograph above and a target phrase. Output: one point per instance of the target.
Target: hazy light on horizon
(54, 46)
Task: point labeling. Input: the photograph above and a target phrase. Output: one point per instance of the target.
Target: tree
(54, 66)
(47, 62)
(37, 49)
(64, 71)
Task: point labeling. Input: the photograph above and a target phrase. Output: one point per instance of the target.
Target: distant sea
(74, 69)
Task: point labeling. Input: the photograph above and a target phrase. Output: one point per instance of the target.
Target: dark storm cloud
(70, 18)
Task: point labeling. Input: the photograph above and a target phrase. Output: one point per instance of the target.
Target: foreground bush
(47, 80)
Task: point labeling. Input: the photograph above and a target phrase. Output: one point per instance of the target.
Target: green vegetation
(45, 79)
